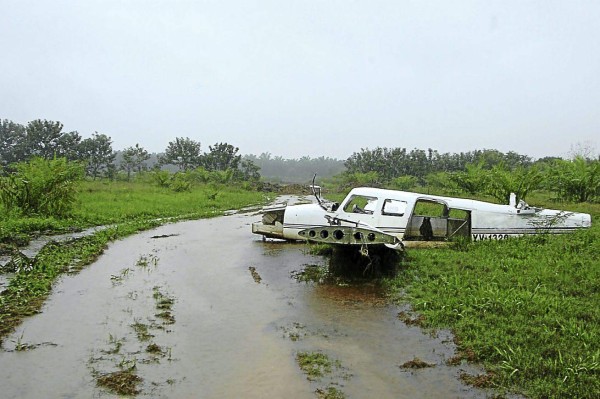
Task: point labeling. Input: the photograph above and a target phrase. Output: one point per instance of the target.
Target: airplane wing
(350, 235)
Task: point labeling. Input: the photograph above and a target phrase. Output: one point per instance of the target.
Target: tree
(513, 160)
(133, 159)
(98, 153)
(11, 136)
(488, 158)
(222, 156)
(68, 146)
(418, 164)
(356, 179)
(392, 163)
(184, 153)
(248, 171)
(375, 160)
(585, 150)
(503, 181)
(295, 170)
(42, 139)
(473, 180)
(576, 180)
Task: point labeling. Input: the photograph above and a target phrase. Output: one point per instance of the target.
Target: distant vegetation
(489, 172)
(280, 170)
(46, 139)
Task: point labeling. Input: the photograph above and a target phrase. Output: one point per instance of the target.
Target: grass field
(105, 202)
(527, 308)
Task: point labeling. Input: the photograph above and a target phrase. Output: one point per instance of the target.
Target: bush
(404, 183)
(161, 177)
(180, 181)
(577, 180)
(184, 181)
(348, 180)
(473, 180)
(441, 182)
(502, 182)
(42, 187)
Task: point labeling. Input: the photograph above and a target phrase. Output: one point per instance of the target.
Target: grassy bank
(109, 202)
(128, 207)
(528, 309)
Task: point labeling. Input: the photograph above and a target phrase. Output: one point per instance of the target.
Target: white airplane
(372, 216)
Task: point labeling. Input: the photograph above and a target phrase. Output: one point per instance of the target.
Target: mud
(182, 316)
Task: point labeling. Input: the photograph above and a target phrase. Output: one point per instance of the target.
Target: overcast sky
(316, 78)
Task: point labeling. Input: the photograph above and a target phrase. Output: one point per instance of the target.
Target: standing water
(205, 309)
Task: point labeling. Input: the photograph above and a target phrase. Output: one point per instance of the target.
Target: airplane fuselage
(408, 216)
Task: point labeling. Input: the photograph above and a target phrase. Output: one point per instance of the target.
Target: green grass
(315, 364)
(527, 308)
(105, 202)
(121, 382)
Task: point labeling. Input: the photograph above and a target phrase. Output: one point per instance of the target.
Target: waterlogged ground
(205, 309)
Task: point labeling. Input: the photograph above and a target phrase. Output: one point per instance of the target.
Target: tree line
(390, 163)
(46, 139)
(488, 172)
(301, 170)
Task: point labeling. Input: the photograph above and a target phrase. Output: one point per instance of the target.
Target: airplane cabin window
(394, 207)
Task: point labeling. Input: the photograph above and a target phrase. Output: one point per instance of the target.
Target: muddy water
(228, 332)
(36, 245)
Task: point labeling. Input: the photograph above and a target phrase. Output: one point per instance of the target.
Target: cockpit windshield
(361, 204)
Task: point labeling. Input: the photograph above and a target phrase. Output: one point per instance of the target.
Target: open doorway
(433, 220)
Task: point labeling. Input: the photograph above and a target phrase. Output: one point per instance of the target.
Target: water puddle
(27, 253)
(5, 280)
(206, 309)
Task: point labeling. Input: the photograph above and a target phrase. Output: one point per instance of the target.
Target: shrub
(161, 177)
(502, 182)
(473, 180)
(181, 181)
(41, 186)
(404, 183)
(577, 180)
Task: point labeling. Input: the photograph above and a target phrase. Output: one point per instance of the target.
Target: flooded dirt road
(205, 309)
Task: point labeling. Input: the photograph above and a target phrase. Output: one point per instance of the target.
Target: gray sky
(313, 78)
